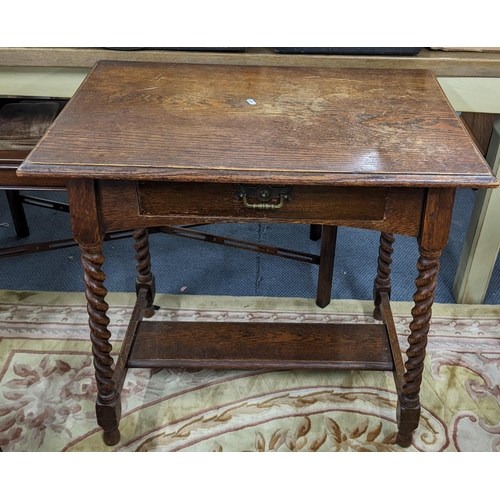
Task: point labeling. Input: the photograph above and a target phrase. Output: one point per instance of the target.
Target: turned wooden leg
(17, 213)
(85, 223)
(433, 238)
(409, 403)
(326, 262)
(315, 232)
(108, 406)
(383, 280)
(145, 278)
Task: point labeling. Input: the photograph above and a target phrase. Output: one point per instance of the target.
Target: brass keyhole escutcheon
(263, 193)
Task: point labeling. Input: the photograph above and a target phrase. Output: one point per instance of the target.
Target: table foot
(408, 419)
(149, 312)
(108, 415)
(111, 438)
(404, 440)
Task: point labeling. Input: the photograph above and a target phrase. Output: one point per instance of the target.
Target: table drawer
(177, 199)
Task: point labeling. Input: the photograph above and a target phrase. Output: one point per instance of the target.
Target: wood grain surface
(119, 210)
(252, 345)
(217, 200)
(194, 123)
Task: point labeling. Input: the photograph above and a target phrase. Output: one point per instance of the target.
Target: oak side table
(150, 144)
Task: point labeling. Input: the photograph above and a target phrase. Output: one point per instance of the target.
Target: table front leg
(87, 232)
(432, 240)
(409, 403)
(108, 405)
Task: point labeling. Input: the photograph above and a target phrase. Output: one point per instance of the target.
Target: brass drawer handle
(263, 206)
(264, 194)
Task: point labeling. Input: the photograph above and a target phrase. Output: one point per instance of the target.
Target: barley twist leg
(409, 403)
(108, 406)
(145, 278)
(383, 280)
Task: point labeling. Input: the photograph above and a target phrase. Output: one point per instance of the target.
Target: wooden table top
(211, 123)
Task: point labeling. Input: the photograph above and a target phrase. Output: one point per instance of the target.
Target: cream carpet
(47, 386)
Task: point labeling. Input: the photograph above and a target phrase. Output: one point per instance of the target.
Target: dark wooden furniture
(148, 144)
(470, 80)
(480, 127)
(22, 124)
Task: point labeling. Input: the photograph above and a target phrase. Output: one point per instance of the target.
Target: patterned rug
(47, 386)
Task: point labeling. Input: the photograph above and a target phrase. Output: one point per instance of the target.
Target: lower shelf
(260, 345)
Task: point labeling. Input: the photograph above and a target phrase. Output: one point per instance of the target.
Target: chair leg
(18, 214)
(326, 261)
(315, 232)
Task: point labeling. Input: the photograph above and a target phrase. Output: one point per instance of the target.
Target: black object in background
(385, 51)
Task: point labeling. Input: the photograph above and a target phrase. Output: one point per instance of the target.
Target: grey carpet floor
(194, 267)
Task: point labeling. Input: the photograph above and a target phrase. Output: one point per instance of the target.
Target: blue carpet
(194, 267)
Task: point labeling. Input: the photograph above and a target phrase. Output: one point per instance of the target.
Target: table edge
(185, 174)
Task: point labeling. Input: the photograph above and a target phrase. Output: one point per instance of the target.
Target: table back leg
(145, 278)
(383, 280)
